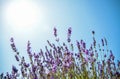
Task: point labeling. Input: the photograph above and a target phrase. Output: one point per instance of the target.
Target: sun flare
(21, 14)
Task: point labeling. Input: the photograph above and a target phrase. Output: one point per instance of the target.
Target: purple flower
(26, 65)
(102, 42)
(13, 47)
(12, 40)
(66, 48)
(14, 69)
(94, 42)
(29, 48)
(84, 45)
(69, 34)
(54, 68)
(1, 75)
(105, 56)
(68, 39)
(91, 54)
(58, 60)
(55, 32)
(69, 31)
(93, 32)
(78, 44)
(16, 57)
(91, 48)
(86, 52)
(49, 43)
(36, 55)
(81, 41)
(34, 68)
(86, 59)
(78, 55)
(92, 60)
(105, 41)
(111, 55)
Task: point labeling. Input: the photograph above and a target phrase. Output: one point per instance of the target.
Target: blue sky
(83, 16)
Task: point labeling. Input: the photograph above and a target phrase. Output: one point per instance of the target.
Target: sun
(21, 14)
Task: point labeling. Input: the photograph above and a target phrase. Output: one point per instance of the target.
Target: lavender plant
(61, 61)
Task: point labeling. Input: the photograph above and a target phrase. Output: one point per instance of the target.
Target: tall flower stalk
(60, 61)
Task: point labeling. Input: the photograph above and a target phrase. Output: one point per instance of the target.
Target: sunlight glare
(22, 14)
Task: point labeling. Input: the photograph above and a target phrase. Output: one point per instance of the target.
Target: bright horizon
(34, 20)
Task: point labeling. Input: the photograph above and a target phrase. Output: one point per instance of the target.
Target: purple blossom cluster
(62, 61)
